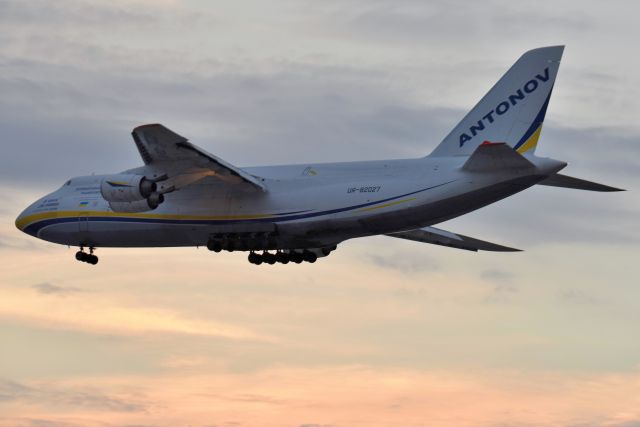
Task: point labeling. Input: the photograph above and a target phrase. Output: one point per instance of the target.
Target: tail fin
(512, 111)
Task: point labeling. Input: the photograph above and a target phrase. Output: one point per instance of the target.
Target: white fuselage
(305, 206)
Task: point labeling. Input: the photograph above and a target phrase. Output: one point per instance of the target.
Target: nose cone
(22, 221)
(28, 216)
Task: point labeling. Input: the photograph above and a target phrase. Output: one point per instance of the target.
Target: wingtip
(148, 125)
(504, 249)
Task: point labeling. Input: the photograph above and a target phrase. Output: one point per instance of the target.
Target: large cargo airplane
(185, 196)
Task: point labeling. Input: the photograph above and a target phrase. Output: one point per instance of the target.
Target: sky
(383, 332)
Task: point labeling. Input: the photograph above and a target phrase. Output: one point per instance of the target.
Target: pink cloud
(341, 396)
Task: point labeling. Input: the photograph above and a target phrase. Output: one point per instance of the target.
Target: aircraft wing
(183, 162)
(436, 236)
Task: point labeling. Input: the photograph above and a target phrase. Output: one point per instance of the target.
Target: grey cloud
(51, 289)
(42, 394)
(576, 296)
(495, 275)
(405, 263)
(83, 13)
(413, 21)
(57, 127)
(503, 285)
(613, 151)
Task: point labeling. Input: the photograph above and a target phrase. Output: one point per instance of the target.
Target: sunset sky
(383, 332)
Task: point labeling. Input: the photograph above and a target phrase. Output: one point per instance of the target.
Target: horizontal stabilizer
(558, 180)
(495, 156)
(436, 236)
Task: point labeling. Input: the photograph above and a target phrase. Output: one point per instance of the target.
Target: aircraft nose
(25, 218)
(21, 224)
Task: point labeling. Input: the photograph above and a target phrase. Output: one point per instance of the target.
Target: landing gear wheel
(254, 258)
(282, 258)
(309, 256)
(89, 258)
(269, 258)
(214, 246)
(296, 257)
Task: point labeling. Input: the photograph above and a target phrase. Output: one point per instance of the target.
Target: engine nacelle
(144, 205)
(127, 188)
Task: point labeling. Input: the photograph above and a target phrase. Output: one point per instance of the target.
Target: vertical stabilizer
(512, 111)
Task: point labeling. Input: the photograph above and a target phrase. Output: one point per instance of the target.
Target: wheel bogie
(89, 258)
(286, 256)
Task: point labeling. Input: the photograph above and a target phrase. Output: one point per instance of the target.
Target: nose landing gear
(89, 258)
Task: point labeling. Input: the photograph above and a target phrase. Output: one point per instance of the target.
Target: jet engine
(130, 193)
(126, 188)
(144, 205)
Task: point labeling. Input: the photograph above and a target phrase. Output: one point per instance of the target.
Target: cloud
(404, 262)
(341, 395)
(49, 289)
(101, 316)
(503, 282)
(412, 21)
(497, 275)
(64, 397)
(576, 296)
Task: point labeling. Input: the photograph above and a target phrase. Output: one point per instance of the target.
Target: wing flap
(435, 236)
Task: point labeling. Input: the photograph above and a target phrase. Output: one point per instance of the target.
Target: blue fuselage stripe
(33, 228)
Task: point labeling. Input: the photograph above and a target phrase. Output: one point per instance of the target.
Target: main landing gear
(89, 258)
(282, 257)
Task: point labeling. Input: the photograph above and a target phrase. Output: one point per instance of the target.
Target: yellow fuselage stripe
(386, 205)
(23, 222)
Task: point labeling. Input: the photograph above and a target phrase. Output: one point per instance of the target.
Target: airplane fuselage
(305, 206)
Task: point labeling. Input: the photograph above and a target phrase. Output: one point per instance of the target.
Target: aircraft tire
(309, 256)
(269, 258)
(282, 258)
